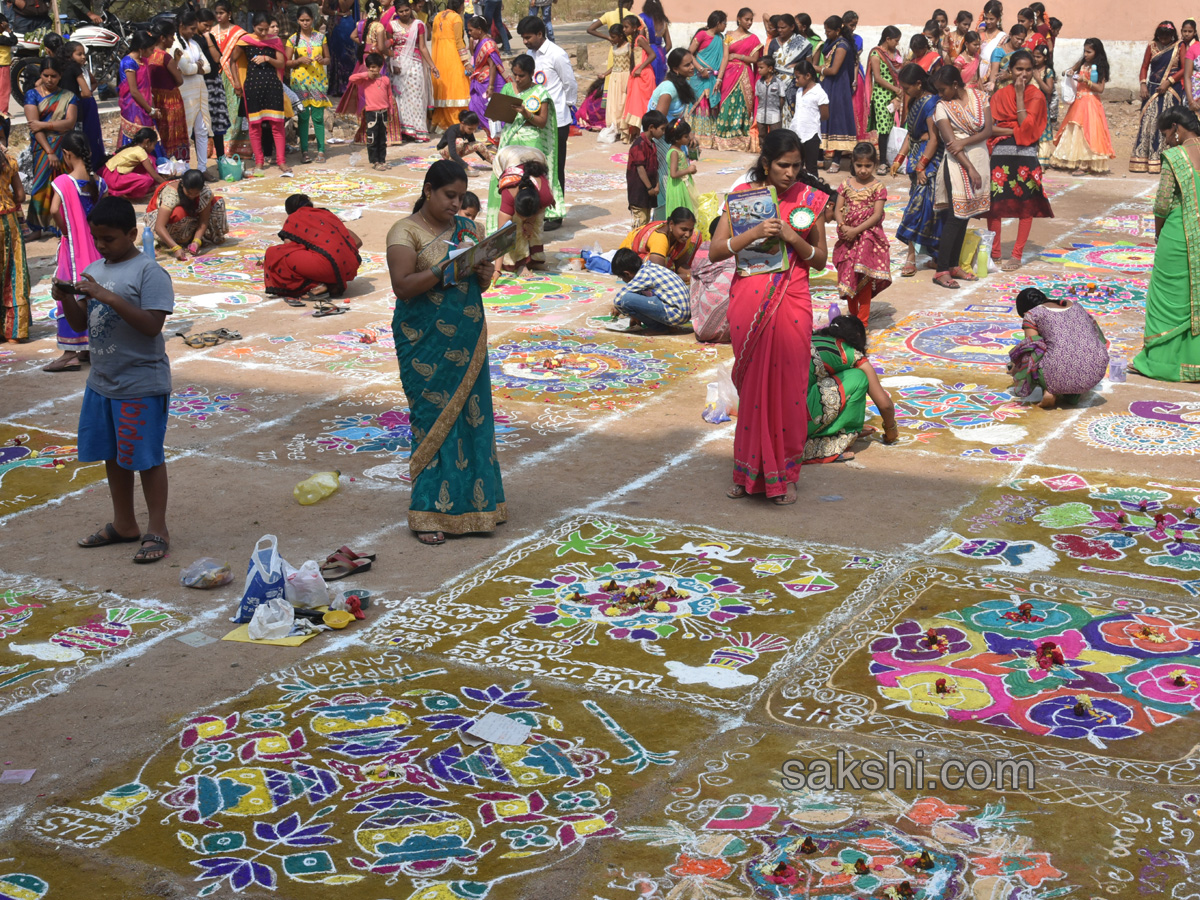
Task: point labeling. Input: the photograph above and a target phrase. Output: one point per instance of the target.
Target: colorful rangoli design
(35, 467)
(1136, 224)
(199, 406)
(1049, 669)
(698, 615)
(370, 778)
(927, 408)
(581, 371)
(949, 340)
(1105, 297)
(1151, 428)
(1126, 257)
(343, 187)
(540, 292)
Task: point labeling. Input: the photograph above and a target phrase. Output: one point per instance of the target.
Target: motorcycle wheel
(105, 65)
(25, 73)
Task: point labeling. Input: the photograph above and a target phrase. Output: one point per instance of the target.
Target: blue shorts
(130, 431)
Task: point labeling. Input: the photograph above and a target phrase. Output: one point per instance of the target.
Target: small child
(1064, 351)
(812, 108)
(469, 206)
(8, 40)
(680, 189)
(769, 94)
(459, 140)
(653, 295)
(616, 81)
(131, 171)
(641, 172)
(376, 91)
(122, 301)
(861, 254)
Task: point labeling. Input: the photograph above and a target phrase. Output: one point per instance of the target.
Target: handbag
(230, 168)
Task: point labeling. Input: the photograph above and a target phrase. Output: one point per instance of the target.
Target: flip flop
(201, 341)
(293, 301)
(226, 335)
(345, 552)
(950, 285)
(105, 536)
(909, 270)
(343, 567)
(328, 309)
(435, 538)
(160, 546)
(1010, 265)
(71, 365)
(962, 274)
(737, 492)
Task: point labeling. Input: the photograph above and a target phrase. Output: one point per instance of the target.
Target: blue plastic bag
(265, 579)
(594, 262)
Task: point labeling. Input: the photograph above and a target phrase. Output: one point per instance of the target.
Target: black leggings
(811, 152)
(950, 243)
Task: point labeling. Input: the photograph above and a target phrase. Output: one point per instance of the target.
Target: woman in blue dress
(659, 34)
(921, 157)
(838, 64)
(343, 50)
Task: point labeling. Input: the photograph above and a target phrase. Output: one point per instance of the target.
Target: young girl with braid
(75, 193)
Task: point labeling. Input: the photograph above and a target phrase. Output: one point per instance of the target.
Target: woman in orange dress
(641, 76)
(1083, 143)
(451, 90)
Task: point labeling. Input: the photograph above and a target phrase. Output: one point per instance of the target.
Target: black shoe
(552, 224)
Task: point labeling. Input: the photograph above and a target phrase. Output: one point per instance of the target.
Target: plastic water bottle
(834, 310)
(148, 242)
(1117, 369)
(316, 487)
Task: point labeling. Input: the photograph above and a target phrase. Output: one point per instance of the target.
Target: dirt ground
(170, 763)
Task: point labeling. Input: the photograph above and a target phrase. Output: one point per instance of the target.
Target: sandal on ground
(328, 309)
(201, 341)
(431, 538)
(909, 270)
(316, 293)
(787, 499)
(944, 280)
(962, 274)
(305, 158)
(341, 567)
(737, 492)
(345, 552)
(63, 365)
(882, 170)
(105, 536)
(157, 550)
(320, 157)
(225, 334)
(1010, 265)
(844, 456)
(293, 301)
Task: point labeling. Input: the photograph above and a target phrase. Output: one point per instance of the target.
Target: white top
(193, 62)
(552, 62)
(807, 120)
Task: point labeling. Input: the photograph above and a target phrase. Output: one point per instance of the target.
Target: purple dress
(485, 51)
(1069, 357)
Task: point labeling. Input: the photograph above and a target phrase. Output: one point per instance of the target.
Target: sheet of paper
(196, 639)
(16, 776)
(497, 729)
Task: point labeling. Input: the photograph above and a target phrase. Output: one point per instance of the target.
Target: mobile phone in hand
(68, 287)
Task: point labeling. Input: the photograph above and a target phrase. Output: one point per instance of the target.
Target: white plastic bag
(895, 143)
(264, 578)
(1066, 88)
(727, 396)
(272, 621)
(608, 135)
(304, 587)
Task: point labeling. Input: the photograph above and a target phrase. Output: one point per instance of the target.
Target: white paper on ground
(494, 728)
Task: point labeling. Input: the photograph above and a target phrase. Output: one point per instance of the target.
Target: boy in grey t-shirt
(123, 301)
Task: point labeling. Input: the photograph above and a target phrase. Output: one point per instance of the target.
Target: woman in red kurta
(1019, 118)
(770, 322)
(318, 256)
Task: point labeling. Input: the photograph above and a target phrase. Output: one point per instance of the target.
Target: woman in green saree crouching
(441, 345)
(840, 378)
(1172, 344)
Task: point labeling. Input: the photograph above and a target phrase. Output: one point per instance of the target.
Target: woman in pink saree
(734, 129)
(770, 323)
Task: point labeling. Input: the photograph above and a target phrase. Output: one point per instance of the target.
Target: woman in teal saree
(441, 346)
(840, 378)
(535, 126)
(1172, 338)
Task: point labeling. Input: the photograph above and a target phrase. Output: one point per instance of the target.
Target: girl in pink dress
(770, 323)
(862, 255)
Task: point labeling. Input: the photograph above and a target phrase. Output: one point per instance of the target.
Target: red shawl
(1004, 114)
(322, 232)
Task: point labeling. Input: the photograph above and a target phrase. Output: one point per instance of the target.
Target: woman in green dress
(536, 125)
(441, 345)
(1172, 343)
(840, 378)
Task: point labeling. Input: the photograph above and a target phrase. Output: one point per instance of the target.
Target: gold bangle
(174, 248)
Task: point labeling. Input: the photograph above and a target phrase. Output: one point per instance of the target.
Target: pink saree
(770, 324)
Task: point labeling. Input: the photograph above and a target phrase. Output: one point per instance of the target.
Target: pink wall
(1105, 19)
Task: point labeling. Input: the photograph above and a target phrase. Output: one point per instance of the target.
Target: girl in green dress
(840, 379)
(441, 346)
(1172, 342)
(679, 188)
(536, 125)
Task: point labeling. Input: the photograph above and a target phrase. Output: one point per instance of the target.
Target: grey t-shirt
(125, 362)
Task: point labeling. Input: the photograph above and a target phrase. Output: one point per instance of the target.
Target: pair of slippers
(344, 562)
(209, 338)
(109, 535)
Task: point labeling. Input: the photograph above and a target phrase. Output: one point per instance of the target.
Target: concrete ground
(170, 763)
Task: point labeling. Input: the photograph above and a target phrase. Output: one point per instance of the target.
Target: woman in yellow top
(131, 171)
(451, 90)
(308, 55)
(671, 244)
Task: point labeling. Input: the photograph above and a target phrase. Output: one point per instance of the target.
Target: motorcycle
(106, 44)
